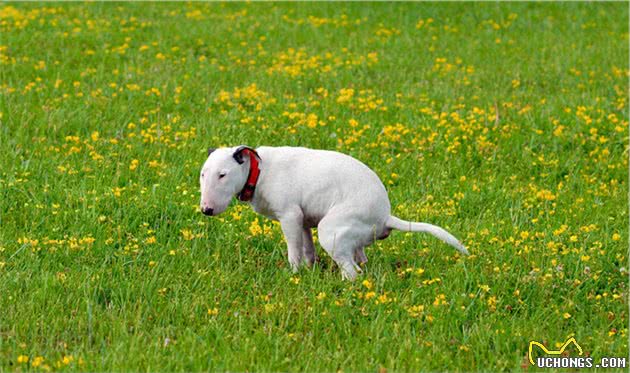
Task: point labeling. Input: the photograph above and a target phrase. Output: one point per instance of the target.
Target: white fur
(305, 188)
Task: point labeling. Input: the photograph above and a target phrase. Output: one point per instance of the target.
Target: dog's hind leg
(340, 241)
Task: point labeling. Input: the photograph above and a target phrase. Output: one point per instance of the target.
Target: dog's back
(324, 179)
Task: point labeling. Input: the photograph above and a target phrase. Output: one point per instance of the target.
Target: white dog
(304, 188)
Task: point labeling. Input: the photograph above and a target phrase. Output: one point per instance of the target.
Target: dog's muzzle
(207, 211)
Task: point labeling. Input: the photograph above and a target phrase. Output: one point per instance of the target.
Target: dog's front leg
(359, 256)
(292, 229)
(310, 256)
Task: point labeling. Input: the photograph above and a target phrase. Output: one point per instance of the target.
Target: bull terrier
(306, 188)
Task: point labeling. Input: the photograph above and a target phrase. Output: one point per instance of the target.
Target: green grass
(505, 123)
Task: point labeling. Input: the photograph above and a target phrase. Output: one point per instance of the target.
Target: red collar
(247, 193)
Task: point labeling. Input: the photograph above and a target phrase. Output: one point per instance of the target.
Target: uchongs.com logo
(562, 359)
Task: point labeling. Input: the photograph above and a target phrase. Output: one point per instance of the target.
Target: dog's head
(222, 176)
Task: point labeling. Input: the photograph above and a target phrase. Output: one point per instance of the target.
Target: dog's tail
(408, 226)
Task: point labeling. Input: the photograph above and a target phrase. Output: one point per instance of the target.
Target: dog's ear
(210, 150)
(240, 151)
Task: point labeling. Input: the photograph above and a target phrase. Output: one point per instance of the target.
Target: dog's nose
(207, 211)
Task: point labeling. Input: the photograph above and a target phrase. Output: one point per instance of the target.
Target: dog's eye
(202, 174)
(221, 175)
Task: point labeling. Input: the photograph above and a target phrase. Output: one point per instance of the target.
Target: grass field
(505, 123)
